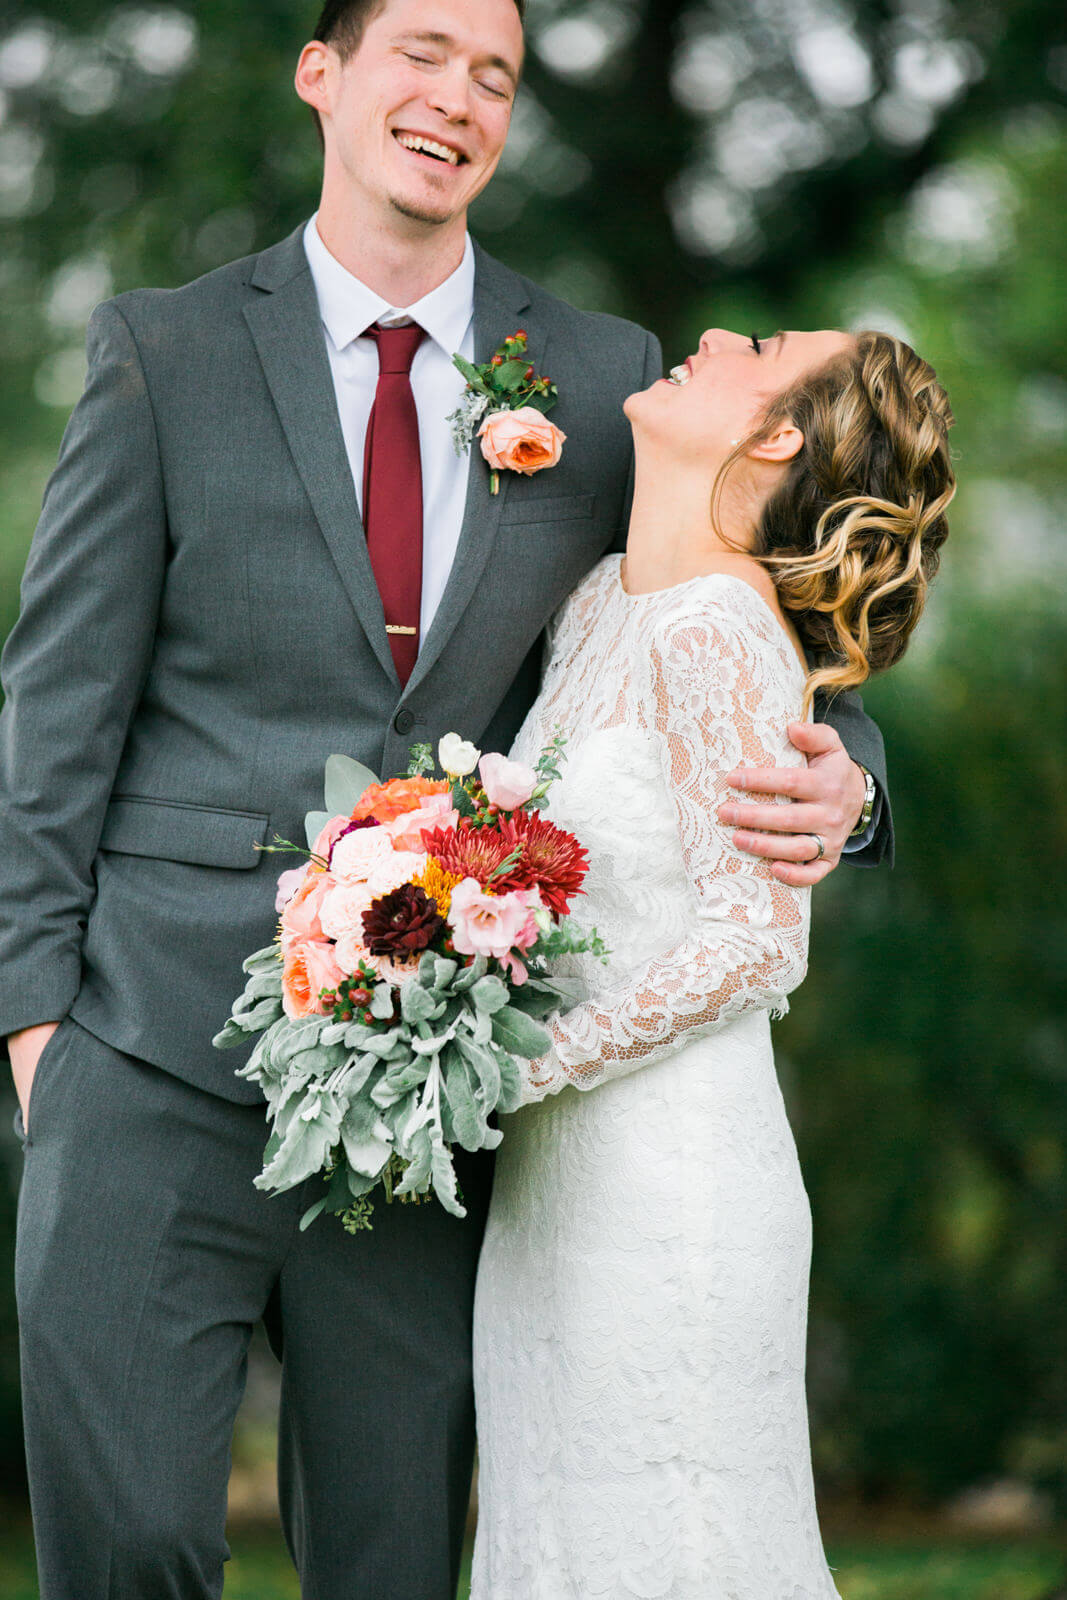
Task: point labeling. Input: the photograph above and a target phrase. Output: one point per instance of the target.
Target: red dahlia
(468, 852)
(550, 859)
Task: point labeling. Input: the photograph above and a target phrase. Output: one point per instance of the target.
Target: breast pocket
(539, 510)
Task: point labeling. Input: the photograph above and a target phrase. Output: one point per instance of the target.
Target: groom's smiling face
(416, 118)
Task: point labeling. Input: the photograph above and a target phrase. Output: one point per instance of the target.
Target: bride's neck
(671, 538)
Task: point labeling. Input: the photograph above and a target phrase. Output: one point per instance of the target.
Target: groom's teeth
(415, 141)
(680, 375)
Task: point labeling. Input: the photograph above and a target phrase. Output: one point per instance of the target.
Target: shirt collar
(348, 307)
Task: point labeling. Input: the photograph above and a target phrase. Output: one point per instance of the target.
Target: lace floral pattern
(642, 1298)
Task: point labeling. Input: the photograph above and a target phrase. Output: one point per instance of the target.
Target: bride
(642, 1295)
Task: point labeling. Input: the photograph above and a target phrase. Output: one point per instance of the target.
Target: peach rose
(300, 915)
(309, 968)
(520, 441)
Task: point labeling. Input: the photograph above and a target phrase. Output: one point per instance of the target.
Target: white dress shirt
(347, 308)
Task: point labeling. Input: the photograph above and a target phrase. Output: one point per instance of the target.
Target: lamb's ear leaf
(346, 782)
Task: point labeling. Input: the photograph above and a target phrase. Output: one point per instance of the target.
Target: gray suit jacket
(200, 629)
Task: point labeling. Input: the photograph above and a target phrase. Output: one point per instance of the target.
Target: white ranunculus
(457, 757)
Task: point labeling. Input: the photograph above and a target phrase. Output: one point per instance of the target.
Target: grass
(897, 1569)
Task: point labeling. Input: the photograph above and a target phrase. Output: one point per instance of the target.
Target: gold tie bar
(394, 627)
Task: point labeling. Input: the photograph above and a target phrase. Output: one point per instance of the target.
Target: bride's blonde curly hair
(853, 535)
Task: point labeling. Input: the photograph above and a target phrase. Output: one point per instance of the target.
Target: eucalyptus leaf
(311, 1213)
(346, 783)
(314, 823)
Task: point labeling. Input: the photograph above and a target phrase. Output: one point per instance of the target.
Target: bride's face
(717, 396)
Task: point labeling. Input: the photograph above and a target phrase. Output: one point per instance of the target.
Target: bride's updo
(853, 535)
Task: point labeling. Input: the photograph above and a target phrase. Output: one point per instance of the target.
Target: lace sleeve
(717, 698)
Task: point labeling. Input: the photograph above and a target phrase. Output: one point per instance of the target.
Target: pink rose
(300, 915)
(434, 812)
(329, 836)
(507, 783)
(490, 924)
(520, 441)
(309, 968)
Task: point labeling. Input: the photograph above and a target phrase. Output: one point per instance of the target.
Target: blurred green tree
(883, 162)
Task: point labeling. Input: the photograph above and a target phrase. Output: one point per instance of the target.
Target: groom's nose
(451, 95)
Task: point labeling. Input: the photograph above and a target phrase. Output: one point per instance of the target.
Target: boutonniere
(504, 406)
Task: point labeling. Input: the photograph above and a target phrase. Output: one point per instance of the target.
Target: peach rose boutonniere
(504, 405)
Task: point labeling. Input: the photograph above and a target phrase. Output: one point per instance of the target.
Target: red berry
(368, 1019)
(521, 336)
(498, 361)
(529, 373)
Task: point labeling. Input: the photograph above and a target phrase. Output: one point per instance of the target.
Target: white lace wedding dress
(642, 1295)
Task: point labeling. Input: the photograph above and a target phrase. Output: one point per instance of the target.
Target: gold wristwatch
(868, 803)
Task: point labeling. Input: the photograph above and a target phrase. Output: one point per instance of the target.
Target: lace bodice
(661, 695)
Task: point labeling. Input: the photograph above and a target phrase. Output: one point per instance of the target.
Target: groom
(235, 575)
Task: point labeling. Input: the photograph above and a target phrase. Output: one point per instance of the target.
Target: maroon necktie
(392, 492)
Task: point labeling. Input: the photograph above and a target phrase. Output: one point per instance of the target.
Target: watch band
(869, 798)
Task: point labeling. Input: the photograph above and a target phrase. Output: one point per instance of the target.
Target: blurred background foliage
(747, 164)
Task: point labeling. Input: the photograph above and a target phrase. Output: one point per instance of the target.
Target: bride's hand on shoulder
(826, 796)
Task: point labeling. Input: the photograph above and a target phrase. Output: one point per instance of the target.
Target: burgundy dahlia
(402, 922)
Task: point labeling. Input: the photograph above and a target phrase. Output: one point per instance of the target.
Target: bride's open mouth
(427, 149)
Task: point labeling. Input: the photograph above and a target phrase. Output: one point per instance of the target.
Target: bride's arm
(743, 943)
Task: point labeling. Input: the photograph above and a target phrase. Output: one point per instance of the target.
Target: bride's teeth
(414, 141)
(680, 375)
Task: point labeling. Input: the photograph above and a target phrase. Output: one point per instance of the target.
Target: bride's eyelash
(755, 343)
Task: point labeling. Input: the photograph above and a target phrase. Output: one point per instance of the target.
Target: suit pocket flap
(553, 508)
(173, 830)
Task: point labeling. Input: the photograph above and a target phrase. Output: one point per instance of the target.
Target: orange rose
(386, 801)
(520, 441)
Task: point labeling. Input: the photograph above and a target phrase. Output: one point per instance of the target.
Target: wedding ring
(820, 848)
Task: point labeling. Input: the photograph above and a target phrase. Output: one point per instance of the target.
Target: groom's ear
(782, 445)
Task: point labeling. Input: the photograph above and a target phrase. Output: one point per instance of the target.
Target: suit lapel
(499, 299)
(287, 330)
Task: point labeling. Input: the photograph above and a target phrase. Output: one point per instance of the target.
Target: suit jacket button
(404, 721)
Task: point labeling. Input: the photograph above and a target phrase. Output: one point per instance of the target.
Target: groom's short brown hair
(341, 22)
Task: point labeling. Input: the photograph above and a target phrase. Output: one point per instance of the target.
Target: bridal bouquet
(410, 971)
